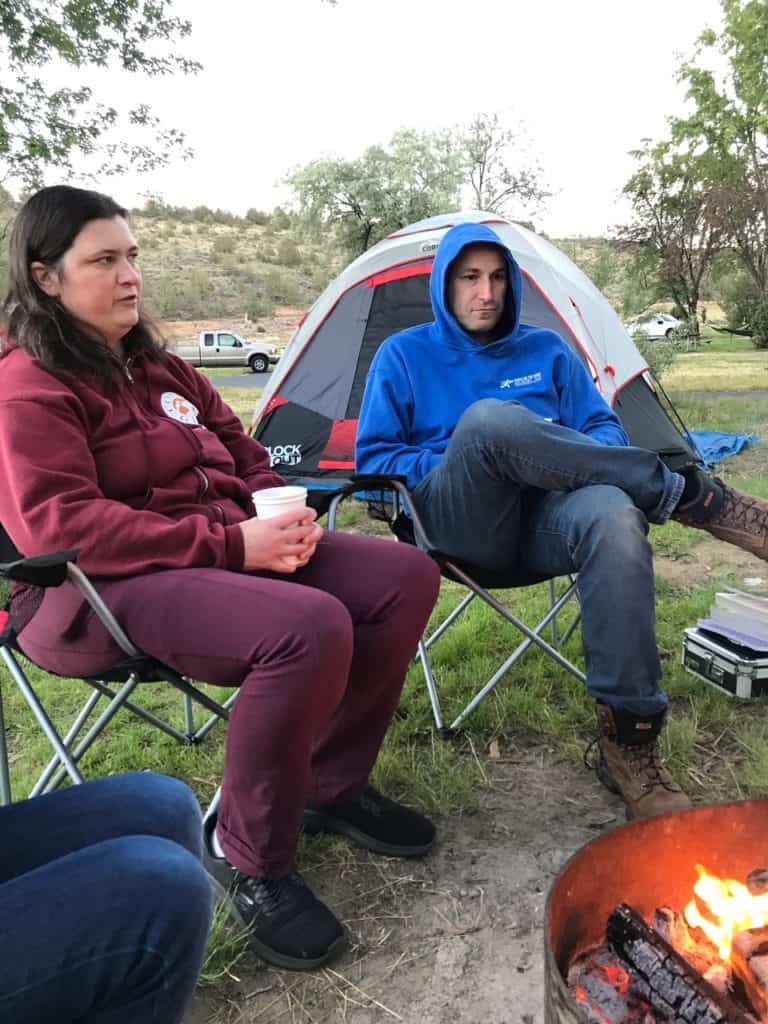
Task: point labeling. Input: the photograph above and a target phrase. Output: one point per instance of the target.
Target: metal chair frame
(117, 684)
(399, 499)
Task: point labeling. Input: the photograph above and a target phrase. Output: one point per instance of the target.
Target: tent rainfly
(307, 416)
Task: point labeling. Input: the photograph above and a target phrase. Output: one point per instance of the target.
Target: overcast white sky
(286, 81)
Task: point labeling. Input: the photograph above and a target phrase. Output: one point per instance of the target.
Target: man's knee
(614, 522)
(493, 420)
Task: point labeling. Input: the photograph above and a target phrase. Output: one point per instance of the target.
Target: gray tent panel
(321, 379)
(648, 425)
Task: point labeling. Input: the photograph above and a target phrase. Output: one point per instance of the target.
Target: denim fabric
(104, 905)
(517, 492)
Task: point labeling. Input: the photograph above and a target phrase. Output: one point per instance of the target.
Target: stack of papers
(739, 617)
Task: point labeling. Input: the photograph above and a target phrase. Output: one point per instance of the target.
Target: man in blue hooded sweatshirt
(515, 460)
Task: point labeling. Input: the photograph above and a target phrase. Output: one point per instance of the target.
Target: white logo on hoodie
(521, 382)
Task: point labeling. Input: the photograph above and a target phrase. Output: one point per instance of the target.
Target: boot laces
(742, 510)
(649, 765)
(268, 894)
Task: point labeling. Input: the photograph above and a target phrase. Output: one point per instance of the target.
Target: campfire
(638, 933)
(706, 964)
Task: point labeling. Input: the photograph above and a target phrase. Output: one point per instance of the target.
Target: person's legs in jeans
(600, 534)
(518, 492)
(470, 503)
(104, 905)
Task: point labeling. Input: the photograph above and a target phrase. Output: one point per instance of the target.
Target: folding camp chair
(388, 498)
(117, 685)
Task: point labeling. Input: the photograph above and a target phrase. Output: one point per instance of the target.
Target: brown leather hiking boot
(630, 764)
(728, 515)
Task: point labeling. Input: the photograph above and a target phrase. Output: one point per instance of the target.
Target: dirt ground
(456, 937)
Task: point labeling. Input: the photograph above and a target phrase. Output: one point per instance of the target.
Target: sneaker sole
(271, 956)
(318, 822)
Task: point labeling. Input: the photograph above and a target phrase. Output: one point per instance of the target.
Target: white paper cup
(273, 501)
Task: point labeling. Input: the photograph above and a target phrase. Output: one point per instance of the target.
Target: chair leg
(532, 636)
(5, 775)
(189, 717)
(434, 695)
(43, 784)
(553, 625)
(204, 729)
(39, 712)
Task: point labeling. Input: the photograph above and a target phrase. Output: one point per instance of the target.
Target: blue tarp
(715, 445)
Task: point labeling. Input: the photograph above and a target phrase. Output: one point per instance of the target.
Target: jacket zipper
(204, 482)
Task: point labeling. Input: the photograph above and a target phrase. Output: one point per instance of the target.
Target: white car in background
(655, 325)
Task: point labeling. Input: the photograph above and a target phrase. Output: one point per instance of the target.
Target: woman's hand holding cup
(284, 535)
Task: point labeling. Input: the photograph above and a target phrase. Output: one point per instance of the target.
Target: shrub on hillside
(288, 253)
(260, 217)
(257, 304)
(280, 219)
(223, 244)
(282, 287)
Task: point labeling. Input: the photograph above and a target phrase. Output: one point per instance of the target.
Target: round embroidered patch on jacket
(178, 407)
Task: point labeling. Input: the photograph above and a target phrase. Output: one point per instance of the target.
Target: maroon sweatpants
(320, 658)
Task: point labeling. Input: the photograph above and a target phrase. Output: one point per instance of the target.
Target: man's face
(477, 288)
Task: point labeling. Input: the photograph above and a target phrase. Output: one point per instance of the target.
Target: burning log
(699, 952)
(669, 983)
(604, 989)
(750, 963)
(757, 881)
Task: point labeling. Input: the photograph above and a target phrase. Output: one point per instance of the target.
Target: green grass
(716, 746)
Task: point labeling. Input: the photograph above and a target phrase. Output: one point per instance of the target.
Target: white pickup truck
(224, 348)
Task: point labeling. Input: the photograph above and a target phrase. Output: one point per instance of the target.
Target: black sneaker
(375, 823)
(287, 924)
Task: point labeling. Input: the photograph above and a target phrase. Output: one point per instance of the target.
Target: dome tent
(307, 416)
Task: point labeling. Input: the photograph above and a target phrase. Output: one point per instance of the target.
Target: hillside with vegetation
(211, 265)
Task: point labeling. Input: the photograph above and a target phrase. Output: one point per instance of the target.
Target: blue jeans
(104, 905)
(517, 492)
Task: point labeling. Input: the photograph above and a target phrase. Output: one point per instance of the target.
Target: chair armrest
(41, 570)
(388, 482)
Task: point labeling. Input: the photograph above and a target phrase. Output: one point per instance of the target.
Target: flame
(729, 907)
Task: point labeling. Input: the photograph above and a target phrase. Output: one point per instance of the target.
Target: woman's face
(98, 279)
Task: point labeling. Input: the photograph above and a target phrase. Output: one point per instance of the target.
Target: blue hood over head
(453, 242)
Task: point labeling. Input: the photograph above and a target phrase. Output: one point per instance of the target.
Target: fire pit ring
(647, 864)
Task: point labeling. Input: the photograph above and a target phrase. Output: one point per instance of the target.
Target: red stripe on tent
(566, 325)
(419, 261)
(399, 275)
(442, 227)
(330, 464)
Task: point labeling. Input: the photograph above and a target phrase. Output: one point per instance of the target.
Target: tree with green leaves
(416, 175)
(728, 130)
(677, 221)
(499, 179)
(55, 126)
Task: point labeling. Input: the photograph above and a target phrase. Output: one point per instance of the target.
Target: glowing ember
(723, 907)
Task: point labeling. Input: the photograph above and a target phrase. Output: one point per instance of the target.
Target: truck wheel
(259, 364)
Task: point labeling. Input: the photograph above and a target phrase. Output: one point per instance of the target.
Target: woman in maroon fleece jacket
(115, 447)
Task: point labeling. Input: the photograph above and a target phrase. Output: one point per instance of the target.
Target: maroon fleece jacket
(156, 475)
